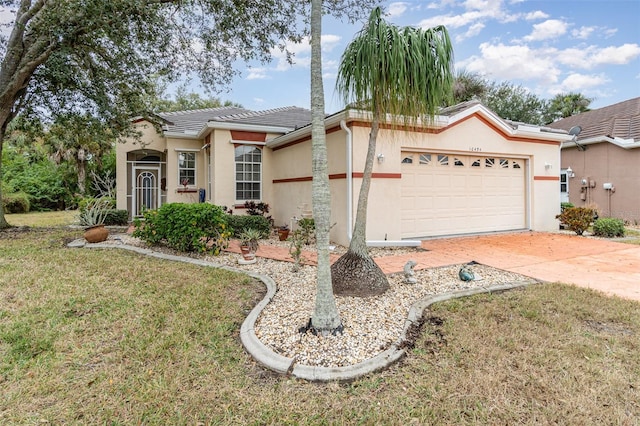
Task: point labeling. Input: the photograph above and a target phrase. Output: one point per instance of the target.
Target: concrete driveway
(610, 267)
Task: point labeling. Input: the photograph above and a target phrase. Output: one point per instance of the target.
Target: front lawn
(110, 337)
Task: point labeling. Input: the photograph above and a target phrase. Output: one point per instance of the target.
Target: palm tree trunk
(326, 318)
(356, 273)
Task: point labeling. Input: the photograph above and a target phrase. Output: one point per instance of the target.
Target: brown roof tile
(621, 120)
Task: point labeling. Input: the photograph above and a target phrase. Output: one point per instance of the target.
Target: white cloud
(550, 28)
(538, 14)
(582, 82)
(617, 55)
(397, 9)
(583, 33)
(592, 56)
(473, 31)
(257, 74)
(513, 62)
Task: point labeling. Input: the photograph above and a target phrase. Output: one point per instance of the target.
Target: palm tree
(325, 318)
(565, 105)
(407, 73)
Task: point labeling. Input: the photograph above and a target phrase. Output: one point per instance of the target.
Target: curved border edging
(284, 365)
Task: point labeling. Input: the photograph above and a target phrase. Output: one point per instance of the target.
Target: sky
(549, 47)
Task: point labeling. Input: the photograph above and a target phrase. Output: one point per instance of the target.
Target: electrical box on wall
(607, 185)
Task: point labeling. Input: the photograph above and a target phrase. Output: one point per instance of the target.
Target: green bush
(185, 227)
(238, 223)
(18, 202)
(608, 227)
(308, 229)
(577, 219)
(116, 217)
(565, 205)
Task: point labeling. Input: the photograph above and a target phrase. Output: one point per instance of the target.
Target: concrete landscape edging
(284, 365)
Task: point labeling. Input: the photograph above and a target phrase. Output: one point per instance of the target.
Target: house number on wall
(475, 149)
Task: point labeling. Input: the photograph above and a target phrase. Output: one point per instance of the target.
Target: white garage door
(449, 194)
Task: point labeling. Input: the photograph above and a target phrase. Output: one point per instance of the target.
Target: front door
(146, 190)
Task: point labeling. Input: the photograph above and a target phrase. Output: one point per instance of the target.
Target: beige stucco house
(600, 167)
(466, 172)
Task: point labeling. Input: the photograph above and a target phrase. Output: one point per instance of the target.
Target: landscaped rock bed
(371, 325)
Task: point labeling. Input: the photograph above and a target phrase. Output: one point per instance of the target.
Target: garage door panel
(477, 195)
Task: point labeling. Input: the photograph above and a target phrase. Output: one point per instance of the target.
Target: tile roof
(621, 120)
(192, 122)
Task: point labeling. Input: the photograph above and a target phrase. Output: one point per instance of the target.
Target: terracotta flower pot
(247, 253)
(96, 234)
(283, 234)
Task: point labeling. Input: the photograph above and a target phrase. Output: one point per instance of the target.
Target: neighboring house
(601, 167)
(466, 172)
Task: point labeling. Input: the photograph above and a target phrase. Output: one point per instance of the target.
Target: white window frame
(181, 168)
(246, 173)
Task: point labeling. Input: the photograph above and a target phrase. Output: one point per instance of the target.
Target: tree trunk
(355, 273)
(326, 318)
(82, 170)
(3, 222)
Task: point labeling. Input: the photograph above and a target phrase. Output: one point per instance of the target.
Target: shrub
(308, 230)
(608, 227)
(577, 219)
(185, 227)
(238, 223)
(565, 205)
(18, 202)
(116, 217)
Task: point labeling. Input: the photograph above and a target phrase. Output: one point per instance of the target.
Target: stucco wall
(291, 166)
(605, 163)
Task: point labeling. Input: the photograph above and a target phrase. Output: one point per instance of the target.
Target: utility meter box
(607, 185)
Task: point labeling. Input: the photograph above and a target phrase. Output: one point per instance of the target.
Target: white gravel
(371, 325)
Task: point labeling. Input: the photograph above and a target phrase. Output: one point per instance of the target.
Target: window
(186, 168)
(516, 164)
(248, 172)
(476, 163)
(408, 159)
(425, 158)
(504, 163)
(489, 162)
(443, 160)
(457, 162)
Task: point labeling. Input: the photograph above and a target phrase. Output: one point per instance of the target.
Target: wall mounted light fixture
(380, 158)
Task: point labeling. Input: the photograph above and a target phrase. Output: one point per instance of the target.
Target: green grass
(109, 337)
(43, 219)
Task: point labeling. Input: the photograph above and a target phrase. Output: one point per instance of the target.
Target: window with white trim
(248, 172)
(186, 168)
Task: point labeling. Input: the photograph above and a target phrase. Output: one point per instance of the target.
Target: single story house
(600, 164)
(466, 172)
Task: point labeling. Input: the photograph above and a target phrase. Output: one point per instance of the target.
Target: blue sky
(549, 47)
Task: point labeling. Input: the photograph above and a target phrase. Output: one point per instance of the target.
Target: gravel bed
(371, 325)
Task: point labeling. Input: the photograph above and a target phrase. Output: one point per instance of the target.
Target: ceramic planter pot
(96, 234)
(283, 234)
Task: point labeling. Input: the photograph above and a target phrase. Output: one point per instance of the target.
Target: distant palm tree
(565, 105)
(408, 73)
